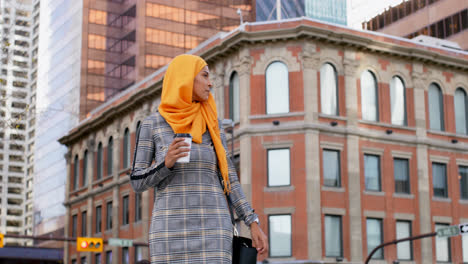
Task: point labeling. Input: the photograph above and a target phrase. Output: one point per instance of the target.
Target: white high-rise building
(19, 20)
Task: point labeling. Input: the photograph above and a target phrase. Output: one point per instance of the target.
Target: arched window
(398, 101)
(110, 151)
(99, 161)
(461, 111)
(126, 148)
(436, 108)
(84, 173)
(234, 97)
(369, 97)
(328, 89)
(277, 88)
(76, 171)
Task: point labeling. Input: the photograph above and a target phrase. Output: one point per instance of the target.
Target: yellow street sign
(1, 240)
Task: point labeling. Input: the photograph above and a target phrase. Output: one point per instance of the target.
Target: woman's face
(202, 85)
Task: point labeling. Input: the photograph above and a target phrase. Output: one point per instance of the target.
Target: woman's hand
(177, 149)
(259, 240)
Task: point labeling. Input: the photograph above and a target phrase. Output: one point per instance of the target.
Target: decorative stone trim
(401, 154)
(440, 159)
(333, 211)
(279, 189)
(277, 145)
(404, 216)
(333, 189)
(375, 214)
(442, 219)
(375, 151)
(279, 210)
(331, 145)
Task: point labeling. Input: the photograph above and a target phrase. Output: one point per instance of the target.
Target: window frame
(463, 179)
(410, 234)
(441, 107)
(268, 167)
(110, 156)
(109, 223)
(376, 89)
(125, 210)
(405, 114)
(446, 195)
(465, 97)
(84, 172)
(98, 219)
(74, 225)
(126, 149)
(138, 207)
(84, 224)
(379, 172)
(339, 185)
(408, 180)
(267, 89)
(381, 237)
(269, 236)
(234, 109)
(100, 162)
(336, 97)
(76, 172)
(340, 217)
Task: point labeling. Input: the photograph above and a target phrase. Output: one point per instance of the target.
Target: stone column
(310, 64)
(353, 155)
(424, 194)
(245, 69)
(91, 146)
(67, 205)
(115, 221)
(116, 153)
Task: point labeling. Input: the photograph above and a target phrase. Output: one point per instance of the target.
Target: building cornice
(258, 33)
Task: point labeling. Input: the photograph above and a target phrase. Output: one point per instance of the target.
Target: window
(439, 179)
(465, 248)
(99, 161)
(436, 109)
(461, 111)
(234, 97)
(328, 89)
(401, 173)
(404, 249)
(98, 218)
(333, 236)
(372, 172)
(83, 223)
(109, 257)
(83, 260)
(125, 255)
(138, 254)
(278, 167)
(97, 17)
(374, 237)
(125, 214)
(74, 225)
(463, 176)
(442, 245)
(398, 101)
(277, 88)
(331, 168)
(369, 97)
(126, 148)
(96, 42)
(84, 173)
(110, 150)
(109, 215)
(76, 169)
(97, 258)
(138, 209)
(280, 235)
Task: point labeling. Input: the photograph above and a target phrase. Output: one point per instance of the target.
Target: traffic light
(1, 240)
(89, 244)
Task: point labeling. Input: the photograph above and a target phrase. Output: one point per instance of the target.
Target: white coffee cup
(187, 139)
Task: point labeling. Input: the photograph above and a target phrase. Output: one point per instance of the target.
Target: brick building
(343, 139)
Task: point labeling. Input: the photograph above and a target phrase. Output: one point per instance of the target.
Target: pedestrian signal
(89, 244)
(1, 240)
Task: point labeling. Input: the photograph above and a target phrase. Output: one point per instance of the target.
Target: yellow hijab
(186, 116)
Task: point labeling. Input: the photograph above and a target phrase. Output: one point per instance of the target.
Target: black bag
(243, 252)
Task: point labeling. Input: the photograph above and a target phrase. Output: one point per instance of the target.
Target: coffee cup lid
(182, 135)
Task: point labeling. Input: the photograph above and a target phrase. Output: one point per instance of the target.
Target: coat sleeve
(144, 175)
(243, 208)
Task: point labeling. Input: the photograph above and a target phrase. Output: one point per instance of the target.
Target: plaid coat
(190, 222)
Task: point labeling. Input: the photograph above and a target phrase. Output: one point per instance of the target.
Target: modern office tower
(58, 98)
(443, 19)
(124, 41)
(16, 130)
(333, 11)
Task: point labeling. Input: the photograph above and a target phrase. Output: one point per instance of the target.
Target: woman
(191, 222)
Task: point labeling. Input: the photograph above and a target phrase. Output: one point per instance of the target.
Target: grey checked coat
(190, 221)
